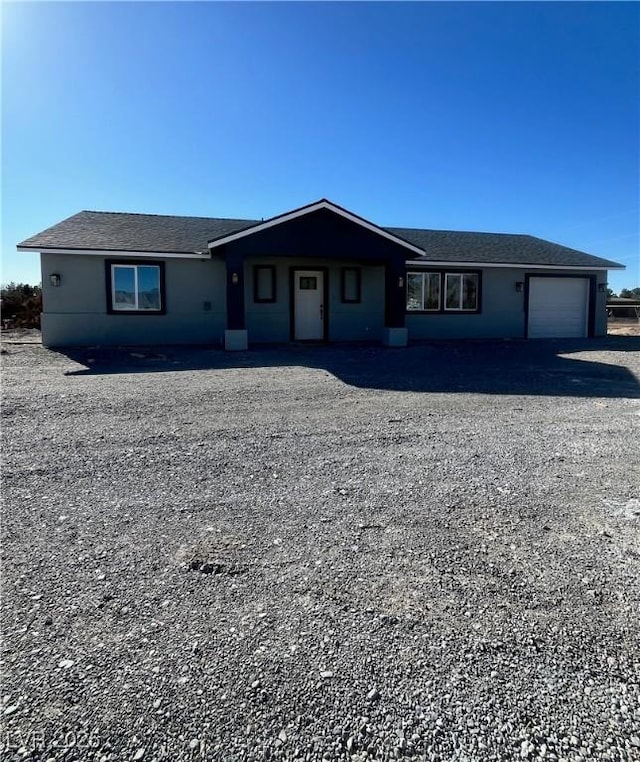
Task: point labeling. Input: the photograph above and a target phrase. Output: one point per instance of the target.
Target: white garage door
(558, 307)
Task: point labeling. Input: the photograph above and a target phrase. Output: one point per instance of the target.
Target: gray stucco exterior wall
(75, 312)
(600, 315)
(503, 309)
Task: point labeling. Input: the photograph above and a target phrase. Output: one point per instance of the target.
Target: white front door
(308, 304)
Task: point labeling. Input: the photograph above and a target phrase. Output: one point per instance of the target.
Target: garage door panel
(558, 307)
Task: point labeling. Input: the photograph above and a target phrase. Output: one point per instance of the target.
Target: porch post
(235, 336)
(395, 333)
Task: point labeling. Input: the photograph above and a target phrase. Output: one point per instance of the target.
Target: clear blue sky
(517, 117)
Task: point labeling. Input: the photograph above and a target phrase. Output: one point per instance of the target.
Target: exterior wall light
(519, 286)
(54, 279)
(235, 279)
(400, 282)
(602, 288)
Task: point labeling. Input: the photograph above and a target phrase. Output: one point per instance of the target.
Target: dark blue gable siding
(319, 234)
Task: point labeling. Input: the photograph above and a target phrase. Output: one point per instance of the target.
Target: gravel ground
(322, 553)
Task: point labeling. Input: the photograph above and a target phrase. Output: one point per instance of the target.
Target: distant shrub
(21, 305)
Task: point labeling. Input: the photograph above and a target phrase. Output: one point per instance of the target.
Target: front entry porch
(317, 274)
(277, 300)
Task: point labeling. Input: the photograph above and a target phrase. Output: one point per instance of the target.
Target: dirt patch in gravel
(622, 328)
(322, 553)
(21, 336)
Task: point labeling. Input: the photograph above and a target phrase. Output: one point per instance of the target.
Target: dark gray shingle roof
(507, 248)
(117, 231)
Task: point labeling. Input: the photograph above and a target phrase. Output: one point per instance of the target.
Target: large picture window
(443, 292)
(135, 288)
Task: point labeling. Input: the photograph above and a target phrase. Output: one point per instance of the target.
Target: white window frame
(134, 307)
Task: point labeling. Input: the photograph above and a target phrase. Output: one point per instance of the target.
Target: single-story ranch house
(318, 273)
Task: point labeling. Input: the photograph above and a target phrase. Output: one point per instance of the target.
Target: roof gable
(323, 204)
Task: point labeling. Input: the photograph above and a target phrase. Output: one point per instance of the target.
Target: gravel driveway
(323, 553)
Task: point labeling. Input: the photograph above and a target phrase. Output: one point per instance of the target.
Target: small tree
(630, 293)
(21, 304)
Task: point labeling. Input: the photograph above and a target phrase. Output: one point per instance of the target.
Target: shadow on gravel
(485, 367)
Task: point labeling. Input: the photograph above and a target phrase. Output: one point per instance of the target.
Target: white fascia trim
(115, 253)
(475, 265)
(308, 210)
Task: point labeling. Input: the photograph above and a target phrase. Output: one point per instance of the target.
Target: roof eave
(205, 254)
(515, 265)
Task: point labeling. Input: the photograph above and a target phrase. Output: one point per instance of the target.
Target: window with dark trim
(423, 292)
(351, 285)
(461, 292)
(443, 292)
(135, 288)
(264, 283)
